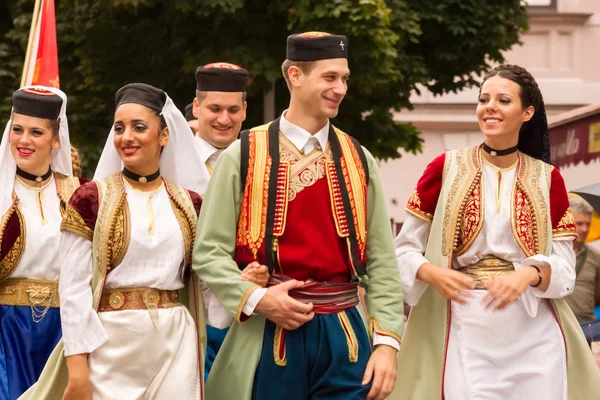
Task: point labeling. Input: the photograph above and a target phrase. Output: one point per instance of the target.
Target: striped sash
(327, 298)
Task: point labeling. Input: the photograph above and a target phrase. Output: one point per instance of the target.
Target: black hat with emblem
(314, 46)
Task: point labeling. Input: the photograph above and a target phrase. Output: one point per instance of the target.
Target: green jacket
(232, 374)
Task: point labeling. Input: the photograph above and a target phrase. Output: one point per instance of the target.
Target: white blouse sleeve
(562, 280)
(82, 330)
(410, 245)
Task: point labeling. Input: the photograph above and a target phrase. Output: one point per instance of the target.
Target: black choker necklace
(504, 152)
(35, 178)
(141, 179)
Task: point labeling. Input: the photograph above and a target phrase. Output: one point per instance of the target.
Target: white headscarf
(60, 161)
(180, 161)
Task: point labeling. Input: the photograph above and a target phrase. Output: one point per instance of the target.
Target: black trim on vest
(274, 173)
(336, 150)
(273, 132)
(245, 151)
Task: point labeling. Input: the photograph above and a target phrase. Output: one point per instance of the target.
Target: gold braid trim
(279, 356)
(375, 327)
(247, 293)
(529, 210)
(111, 239)
(121, 233)
(9, 263)
(65, 187)
(73, 222)
(281, 198)
(252, 223)
(183, 206)
(566, 226)
(356, 183)
(425, 216)
(350, 336)
(451, 221)
(413, 207)
(337, 204)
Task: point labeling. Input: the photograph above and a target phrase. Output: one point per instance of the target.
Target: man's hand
(381, 369)
(277, 306)
(256, 273)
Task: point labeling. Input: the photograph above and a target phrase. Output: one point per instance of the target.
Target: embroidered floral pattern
(566, 225)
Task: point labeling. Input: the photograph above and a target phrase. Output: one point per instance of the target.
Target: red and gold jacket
(527, 223)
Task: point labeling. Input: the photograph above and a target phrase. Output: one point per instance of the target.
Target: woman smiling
(126, 246)
(35, 186)
(486, 257)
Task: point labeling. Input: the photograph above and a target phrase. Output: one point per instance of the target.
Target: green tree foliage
(396, 46)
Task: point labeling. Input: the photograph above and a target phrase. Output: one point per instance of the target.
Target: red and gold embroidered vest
(303, 215)
(539, 199)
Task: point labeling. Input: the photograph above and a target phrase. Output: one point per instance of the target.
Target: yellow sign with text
(594, 138)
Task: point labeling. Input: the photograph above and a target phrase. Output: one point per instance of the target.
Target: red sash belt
(327, 298)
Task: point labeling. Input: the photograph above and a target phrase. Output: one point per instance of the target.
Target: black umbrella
(591, 194)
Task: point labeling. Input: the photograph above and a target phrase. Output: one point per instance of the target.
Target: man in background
(586, 295)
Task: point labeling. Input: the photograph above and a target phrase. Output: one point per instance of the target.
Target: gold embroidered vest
(464, 210)
(12, 224)
(112, 230)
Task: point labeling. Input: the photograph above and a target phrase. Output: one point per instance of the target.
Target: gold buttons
(116, 300)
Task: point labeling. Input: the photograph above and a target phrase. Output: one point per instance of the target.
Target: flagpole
(34, 22)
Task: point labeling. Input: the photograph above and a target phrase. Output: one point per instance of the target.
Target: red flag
(41, 65)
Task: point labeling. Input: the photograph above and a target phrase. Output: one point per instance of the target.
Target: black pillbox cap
(315, 46)
(141, 93)
(37, 102)
(189, 115)
(221, 77)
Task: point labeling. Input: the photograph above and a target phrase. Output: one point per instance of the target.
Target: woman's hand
(256, 273)
(504, 290)
(78, 390)
(78, 386)
(450, 283)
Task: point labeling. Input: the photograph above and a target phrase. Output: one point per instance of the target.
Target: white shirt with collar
(302, 139)
(208, 155)
(306, 142)
(216, 314)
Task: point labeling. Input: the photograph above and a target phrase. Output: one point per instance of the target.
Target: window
(541, 4)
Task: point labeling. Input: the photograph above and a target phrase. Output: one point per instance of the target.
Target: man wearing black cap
(191, 119)
(218, 112)
(219, 107)
(303, 198)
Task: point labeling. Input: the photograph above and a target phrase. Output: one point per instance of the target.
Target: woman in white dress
(485, 256)
(35, 185)
(128, 335)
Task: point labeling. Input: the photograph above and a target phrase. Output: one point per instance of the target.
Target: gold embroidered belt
(138, 299)
(327, 298)
(29, 292)
(39, 294)
(486, 269)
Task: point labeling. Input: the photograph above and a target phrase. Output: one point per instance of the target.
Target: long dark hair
(533, 136)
